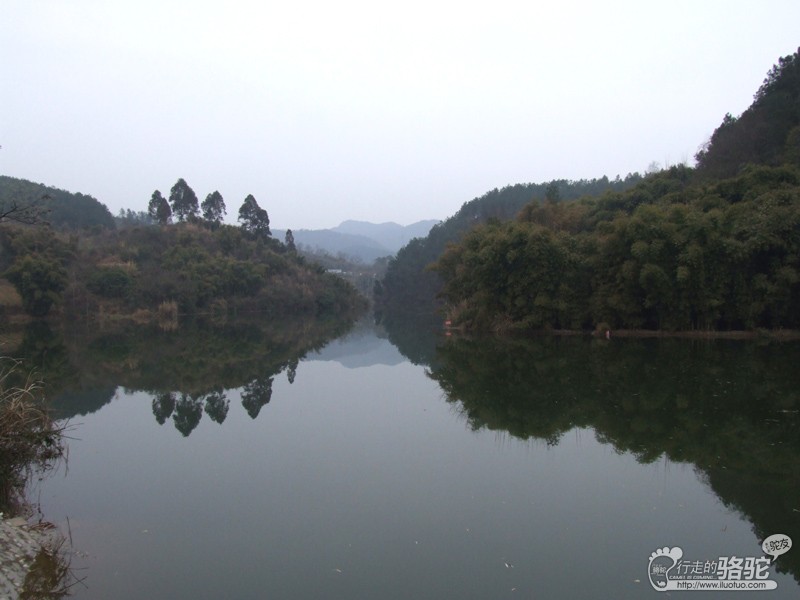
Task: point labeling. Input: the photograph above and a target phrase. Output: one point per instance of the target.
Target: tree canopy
(26, 202)
(183, 201)
(159, 209)
(767, 133)
(253, 218)
(213, 209)
(714, 247)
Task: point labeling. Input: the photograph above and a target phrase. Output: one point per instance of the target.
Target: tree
(159, 209)
(163, 406)
(289, 241)
(217, 405)
(39, 281)
(256, 394)
(27, 213)
(213, 209)
(552, 193)
(188, 412)
(184, 201)
(253, 218)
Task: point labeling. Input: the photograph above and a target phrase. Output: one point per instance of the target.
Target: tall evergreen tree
(289, 241)
(159, 209)
(184, 201)
(253, 218)
(213, 209)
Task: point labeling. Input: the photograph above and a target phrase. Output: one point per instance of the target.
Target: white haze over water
(377, 111)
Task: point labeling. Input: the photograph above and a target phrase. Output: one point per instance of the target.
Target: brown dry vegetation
(29, 439)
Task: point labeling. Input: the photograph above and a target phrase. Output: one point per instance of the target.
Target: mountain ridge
(363, 240)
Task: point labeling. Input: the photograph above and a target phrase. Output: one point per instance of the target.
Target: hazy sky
(380, 111)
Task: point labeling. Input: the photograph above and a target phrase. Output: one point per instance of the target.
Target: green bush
(39, 281)
(110, 282)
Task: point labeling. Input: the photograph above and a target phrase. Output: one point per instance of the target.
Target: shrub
(110, 282)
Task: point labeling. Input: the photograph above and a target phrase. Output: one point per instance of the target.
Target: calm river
(234, 463)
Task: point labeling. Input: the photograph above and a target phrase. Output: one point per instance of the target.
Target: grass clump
(30, 440)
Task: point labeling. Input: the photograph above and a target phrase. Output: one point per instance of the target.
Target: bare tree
(27, 213)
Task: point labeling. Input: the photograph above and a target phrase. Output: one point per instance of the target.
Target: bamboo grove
(668, 254)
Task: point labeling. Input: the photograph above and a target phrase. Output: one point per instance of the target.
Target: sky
(375, 111)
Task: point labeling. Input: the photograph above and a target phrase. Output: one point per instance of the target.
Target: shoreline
(22, 549)
(781, 335)
(767, 334)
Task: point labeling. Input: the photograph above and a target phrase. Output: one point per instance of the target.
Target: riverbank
(768, 334)
(702, 334)
(32, 560)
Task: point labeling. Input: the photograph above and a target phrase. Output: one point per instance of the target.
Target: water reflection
(188, 371)
(730, 408)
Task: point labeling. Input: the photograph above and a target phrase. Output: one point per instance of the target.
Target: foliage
(664, 255)
(183, 201)
(766, 133)
(110, 282)
(253, 218)
(715, 247)
(409, 286)
(39, 280)
(194, 268)
(213, 208)
(61, 209)
(130, 218)
(159, 209)
(289, 241)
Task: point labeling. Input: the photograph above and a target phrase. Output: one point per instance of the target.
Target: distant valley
(360, 240)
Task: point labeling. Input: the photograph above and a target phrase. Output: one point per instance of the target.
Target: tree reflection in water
(731, 408)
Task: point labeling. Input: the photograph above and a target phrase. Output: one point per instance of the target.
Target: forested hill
(410, 287)
(178, 258)
(767, 133)
(711, 247)
(154, 271)
(684, 249)
(61, 209)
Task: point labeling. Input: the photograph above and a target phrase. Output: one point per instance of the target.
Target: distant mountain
(359, 239)
(362, 347)
(388, 235)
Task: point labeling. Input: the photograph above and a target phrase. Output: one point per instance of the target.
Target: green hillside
(63, 254)
(59, 208)
(716, 247)
(410, 287)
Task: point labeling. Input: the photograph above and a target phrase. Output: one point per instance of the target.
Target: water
(529, 468)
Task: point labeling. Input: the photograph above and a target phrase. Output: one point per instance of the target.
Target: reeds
(30, 440)
(167, 315)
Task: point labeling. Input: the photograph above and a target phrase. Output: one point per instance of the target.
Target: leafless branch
(27, 213)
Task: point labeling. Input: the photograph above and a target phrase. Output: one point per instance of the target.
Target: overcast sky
(378, 111)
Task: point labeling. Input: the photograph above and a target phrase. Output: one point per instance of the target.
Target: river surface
(545, 468)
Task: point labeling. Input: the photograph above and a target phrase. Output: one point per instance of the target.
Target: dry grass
(10, 300)
(167, 315)
(30, 440)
